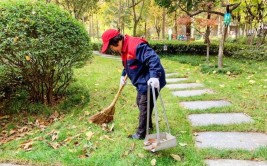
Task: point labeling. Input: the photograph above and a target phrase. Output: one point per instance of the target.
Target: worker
(142, 66)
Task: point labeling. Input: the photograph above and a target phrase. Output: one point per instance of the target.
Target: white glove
(122, 82)
(153, 82)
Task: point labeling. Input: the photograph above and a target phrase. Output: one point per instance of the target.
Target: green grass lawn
(95, 87)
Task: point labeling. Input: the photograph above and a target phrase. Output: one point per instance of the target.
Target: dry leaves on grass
(23, 126)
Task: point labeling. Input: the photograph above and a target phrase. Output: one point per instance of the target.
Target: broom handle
(119, 92)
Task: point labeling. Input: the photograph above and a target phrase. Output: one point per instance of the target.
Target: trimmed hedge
(199, 48)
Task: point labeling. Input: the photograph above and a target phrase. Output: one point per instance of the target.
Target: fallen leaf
(176, 157)
(106, 137)
(140, 155)
(28, 58)
(55, 135)
(23, 129)
(153, 162)
(89, 135)
(54, 145)
(4, 117)
(86, 113)
(76, 143)
(27, 145)
(126, 153)
(132, 147)
(183, 144)
(252, 81)
(111, 127)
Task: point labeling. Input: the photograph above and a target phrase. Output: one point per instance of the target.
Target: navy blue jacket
(140, 63)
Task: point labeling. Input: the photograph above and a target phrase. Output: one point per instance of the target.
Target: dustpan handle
(148, 109)
(156, 113)
(164, 113)
(149, 87)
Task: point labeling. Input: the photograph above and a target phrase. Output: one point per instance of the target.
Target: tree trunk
(207, 39)
(175, 24)
(188, 31)
(208, 52)
(145, 31)
(163, 23)
(263, 37)
(221, 47)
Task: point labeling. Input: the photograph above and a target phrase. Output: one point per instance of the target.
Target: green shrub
(230, 70)
(258, 53)
(41, 43)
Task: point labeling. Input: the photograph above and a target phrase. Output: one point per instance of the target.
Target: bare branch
(134, 4)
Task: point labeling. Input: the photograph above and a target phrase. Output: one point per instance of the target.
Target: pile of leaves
(13, 129)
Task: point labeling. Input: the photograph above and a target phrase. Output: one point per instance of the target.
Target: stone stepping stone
(218, 119)
(184, 86)
(171, 74)
(187, 93)
(230, 162)
(172, 80)
(231, 140)
(202, 105)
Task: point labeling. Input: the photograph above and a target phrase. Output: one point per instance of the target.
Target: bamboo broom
(106, 115)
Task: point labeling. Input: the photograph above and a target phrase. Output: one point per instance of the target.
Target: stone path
(187, 93)
(219, 140)
(202, 105)
(218, 119)
(226, 162)
(184, 86)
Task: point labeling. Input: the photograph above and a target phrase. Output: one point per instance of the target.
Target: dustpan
(159, 140)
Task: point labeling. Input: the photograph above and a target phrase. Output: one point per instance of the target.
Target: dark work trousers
(141, 101)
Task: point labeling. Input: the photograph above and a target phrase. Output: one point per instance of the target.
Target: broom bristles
(105, 116)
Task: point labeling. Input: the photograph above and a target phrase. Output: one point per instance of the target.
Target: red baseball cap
(106, 36)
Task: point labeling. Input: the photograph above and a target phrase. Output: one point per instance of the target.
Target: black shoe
(136, 136)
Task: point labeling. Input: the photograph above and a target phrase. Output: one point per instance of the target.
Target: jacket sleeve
(123, 73)
(150, 59)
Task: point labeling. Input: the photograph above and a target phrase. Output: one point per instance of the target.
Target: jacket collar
(125, 44)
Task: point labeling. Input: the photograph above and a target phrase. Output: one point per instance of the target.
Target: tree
(135, 16)
(255, 13)
(205, 23)
(78, 7)
(156, 16)
(173, 5)
(229, 9)
(115, 14)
